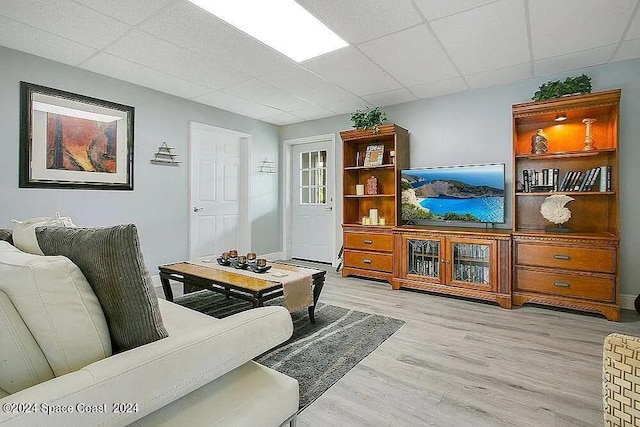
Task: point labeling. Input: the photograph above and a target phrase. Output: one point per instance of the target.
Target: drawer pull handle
(367, 261)
(562, 284)
(368, 242)
(564, 257)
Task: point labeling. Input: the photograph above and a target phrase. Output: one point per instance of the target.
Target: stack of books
(547, 180)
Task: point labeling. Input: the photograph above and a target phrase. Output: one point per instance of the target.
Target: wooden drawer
(569, 257)
(563, 284)
(369, 242)
(368, 260)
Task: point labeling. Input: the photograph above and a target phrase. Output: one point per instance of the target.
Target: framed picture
(74, 141)
(374, 155)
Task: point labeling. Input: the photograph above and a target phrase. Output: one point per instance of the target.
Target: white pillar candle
(373, 214)
(360, 189)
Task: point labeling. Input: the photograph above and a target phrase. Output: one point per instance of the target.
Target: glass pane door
(424, 257)
(313, 177)
(470, 263)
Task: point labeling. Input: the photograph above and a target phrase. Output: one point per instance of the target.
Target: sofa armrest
(149, 377)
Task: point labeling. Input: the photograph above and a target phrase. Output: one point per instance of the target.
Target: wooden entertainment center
(576, 269)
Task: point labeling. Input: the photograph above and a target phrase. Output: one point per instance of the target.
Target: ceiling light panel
(283, 25)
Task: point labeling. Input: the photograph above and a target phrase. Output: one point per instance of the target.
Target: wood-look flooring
(460, 362)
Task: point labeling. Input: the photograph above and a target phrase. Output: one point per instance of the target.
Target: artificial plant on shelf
(557, 88)
(368, 118)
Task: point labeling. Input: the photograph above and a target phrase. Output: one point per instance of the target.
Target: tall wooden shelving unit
(368, 249)
(576, 270)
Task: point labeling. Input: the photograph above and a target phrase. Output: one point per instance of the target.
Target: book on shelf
(605, 178)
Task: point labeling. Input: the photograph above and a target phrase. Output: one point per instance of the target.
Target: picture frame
(374, 155)
(74, 141)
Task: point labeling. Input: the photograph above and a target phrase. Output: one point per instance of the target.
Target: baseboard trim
(627, 301)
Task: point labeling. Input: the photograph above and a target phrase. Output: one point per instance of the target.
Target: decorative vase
(588, 138)
(372, 185)
(539, 143)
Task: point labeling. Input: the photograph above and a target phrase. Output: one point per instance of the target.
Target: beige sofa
(201, 374)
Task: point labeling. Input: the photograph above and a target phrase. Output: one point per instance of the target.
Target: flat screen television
(468, 193)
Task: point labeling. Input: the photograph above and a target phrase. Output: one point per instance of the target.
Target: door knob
(330, 208)
(196, 209)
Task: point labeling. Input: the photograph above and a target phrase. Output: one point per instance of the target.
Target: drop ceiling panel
(446, 87)
(163, 56)
(22, 37)
(499, 76)
(412, 56)
(281, 119)
(306, 85)
(66, 19)
(634, 28)
(573, 61)
(236, 105)
(353, 71)
(560, 27)
(348, 105)
(434, 9)
(628, 50)
(357, 21)
(486, 38)
(192, 28)
(262, 93)
(312, 112)
(392, 97)
(131, 12)
(121, 69)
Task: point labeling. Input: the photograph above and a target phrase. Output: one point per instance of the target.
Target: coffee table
(194, 277)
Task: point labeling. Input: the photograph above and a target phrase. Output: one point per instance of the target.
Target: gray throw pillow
(111, 260)
(6, 235)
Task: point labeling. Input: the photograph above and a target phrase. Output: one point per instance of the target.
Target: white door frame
(286, 189)
(244, 173)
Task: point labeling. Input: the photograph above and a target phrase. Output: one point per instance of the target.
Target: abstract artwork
(73, 141)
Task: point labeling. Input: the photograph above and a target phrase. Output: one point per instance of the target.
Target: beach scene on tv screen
(460, 193)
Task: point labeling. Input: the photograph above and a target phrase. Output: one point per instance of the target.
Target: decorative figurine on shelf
(539, 143)
(588, 138)
(372, 185)
(553, 209)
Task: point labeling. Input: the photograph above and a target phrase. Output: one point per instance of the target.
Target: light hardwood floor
(466, 363)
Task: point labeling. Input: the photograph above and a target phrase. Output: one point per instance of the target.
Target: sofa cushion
(6, 235)
(24, 236)
(22, 363)
(111, 260)
(58, 306)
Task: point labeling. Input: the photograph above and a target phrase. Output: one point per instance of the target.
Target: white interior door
(312, 221)
(219, 220)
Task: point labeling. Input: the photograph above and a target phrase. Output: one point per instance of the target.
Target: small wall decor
(74, 141)
(165, 156)
(557, 88)
(267, 166)
(368, 119)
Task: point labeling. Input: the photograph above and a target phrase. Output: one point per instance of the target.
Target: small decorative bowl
(251, 257)
(256, 269)
(261, 262)
(233, 253)
(222, 261)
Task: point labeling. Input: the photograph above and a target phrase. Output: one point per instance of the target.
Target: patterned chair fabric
(621, 380)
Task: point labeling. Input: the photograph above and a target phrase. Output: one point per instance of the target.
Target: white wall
(476, 127)
(159, 203)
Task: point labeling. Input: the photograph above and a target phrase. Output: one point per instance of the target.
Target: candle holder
(588, 139)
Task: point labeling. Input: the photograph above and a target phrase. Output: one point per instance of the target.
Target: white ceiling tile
(434, 9)
(303, 84)
(22, 37)
(312, 112)
(348, 105)
(131, 12)
(628, 50)
(67, 19)
(573, 61)
(412, 56)
(634, 29)
(357, 21)
(392, 97)
(121, 69)
(281, 119)
(499, 76)
(446, 87)
(237, 105)
(352, 70)
(163, 56)
(186, 25)
(262, 93)
(559, 27)
(485, 38)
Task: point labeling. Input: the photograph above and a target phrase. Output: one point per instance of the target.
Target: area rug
(317, 355)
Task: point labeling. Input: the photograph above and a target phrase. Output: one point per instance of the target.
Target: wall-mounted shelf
(165, 156)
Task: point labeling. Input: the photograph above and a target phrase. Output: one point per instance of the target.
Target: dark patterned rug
(317, 355)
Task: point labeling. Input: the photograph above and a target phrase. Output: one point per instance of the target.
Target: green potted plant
(368, 118)
(555, 89)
